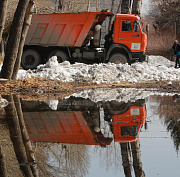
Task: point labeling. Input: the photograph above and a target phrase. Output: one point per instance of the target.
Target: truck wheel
(97, 36)
(61, 56)
(30, 59)
(118, 58)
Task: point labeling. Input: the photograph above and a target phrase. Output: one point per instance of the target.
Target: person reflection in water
(175, 98)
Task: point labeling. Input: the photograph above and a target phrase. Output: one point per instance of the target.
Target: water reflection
(52, 138)
(79, 121)
(169, 108)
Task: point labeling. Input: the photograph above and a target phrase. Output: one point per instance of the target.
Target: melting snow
(158, 68)
(3, 102)
(117, 94)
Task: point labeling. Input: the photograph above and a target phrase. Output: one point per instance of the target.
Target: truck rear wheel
(30, 59)
(61, 56)
(118, 58)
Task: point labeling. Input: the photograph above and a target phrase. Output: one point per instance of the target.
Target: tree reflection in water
(170, 111)
(59, 159)
(19, 137)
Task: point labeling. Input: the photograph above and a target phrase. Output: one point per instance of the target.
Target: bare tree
(16, 137)
(60, 4)
(126, 158)
(3, 170)
(136, 7)
(25, 137)
(3, 7)
(26, 25)
(126, 6)
(137, 164)
(14, 39)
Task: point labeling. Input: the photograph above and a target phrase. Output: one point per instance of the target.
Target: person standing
(176, 48)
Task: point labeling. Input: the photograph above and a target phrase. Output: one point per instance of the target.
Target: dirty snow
(3, 102)
(158, 68)
(117, 94)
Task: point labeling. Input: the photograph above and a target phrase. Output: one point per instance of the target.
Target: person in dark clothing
(176, 48)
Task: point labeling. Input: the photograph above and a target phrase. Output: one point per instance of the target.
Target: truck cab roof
(128, 16)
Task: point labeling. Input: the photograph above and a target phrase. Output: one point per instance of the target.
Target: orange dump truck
(77, 121)
(76, 37)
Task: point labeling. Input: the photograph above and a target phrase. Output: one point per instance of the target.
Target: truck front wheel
(30, 59)
(61, 56)
(118, 58)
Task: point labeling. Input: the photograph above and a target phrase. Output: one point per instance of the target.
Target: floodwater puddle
(110, 132)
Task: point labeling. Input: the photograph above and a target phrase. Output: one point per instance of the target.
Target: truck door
(130, 35)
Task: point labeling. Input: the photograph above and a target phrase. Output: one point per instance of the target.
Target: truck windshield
(136, 26)
(129, 131)
(141, 25)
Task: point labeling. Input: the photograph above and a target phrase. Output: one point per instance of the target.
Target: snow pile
(3, 102)
(158, 68)
(52, 104)
(117, 94)
(159, 60)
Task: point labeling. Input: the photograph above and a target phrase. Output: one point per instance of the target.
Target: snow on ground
(158, 68)
(3, 102)
(117, 94)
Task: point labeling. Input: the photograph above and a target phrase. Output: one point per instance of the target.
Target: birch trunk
(3, 170)
(126, 159)
(126, 7)
(137, 164)
(16, 137)
(14, 39)
(136, 7)
(25, 138)
(3, 7)
(26, 25)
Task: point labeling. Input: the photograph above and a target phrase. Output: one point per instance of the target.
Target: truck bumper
(143, 57)
(139, 56)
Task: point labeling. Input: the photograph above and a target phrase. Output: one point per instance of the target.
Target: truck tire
(30, 59)
(61, 56)
(118, 58)
(97, 36)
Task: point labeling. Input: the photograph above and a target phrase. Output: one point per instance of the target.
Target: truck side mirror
(147, 28)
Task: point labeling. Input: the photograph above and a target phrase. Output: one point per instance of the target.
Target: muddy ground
(31, 89)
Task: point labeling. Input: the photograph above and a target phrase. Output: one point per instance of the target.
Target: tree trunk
(126, 7)
(110, 18)
(14, 39)
(136, 7)
(60, 4)
(26, 25)
(25, 137)
(16, 137)
(119, 7)
(137, 164)
(3, 7)
(126, 159)
(3, 170)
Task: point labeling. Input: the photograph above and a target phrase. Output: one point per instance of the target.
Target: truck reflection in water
(78, 120)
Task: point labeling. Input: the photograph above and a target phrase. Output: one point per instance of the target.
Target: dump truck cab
(126, 126)
(125, 119)
(129, 40)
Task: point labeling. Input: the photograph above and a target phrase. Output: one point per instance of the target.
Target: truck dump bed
(63, 127)
(72, 30)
